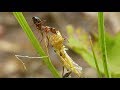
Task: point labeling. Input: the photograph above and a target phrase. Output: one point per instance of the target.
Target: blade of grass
(103, 43)
(22, 21)
(96, 63)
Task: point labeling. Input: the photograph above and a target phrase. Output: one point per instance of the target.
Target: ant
(40, 26)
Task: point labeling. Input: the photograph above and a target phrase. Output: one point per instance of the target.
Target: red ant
(40, 26)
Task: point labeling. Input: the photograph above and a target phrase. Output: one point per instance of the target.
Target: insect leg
(42, 36)
(67, 74)
(48, 41)
(17, 56)
(39, 35)
(63, 71)
(65, 38)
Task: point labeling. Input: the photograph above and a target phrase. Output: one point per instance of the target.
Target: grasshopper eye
(36, 20)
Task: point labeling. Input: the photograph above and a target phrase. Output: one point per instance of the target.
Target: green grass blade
(22, 21)
(103, 43)
(96, 63)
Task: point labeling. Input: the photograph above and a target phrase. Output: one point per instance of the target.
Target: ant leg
(42, 36)
(46, 45)
(67, 74)
(38, 36)
(48, 40)
(65, 38)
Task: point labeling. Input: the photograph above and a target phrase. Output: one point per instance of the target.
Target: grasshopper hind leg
(66, 74)
(63, 71)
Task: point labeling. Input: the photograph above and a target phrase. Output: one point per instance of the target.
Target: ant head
(36, 20)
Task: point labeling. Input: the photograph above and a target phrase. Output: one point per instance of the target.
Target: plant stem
(102, 42)
(22, 21)
(97, 67)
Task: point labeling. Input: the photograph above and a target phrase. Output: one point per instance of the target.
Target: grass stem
(96, 63)
(22, 21)
(102, 42)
